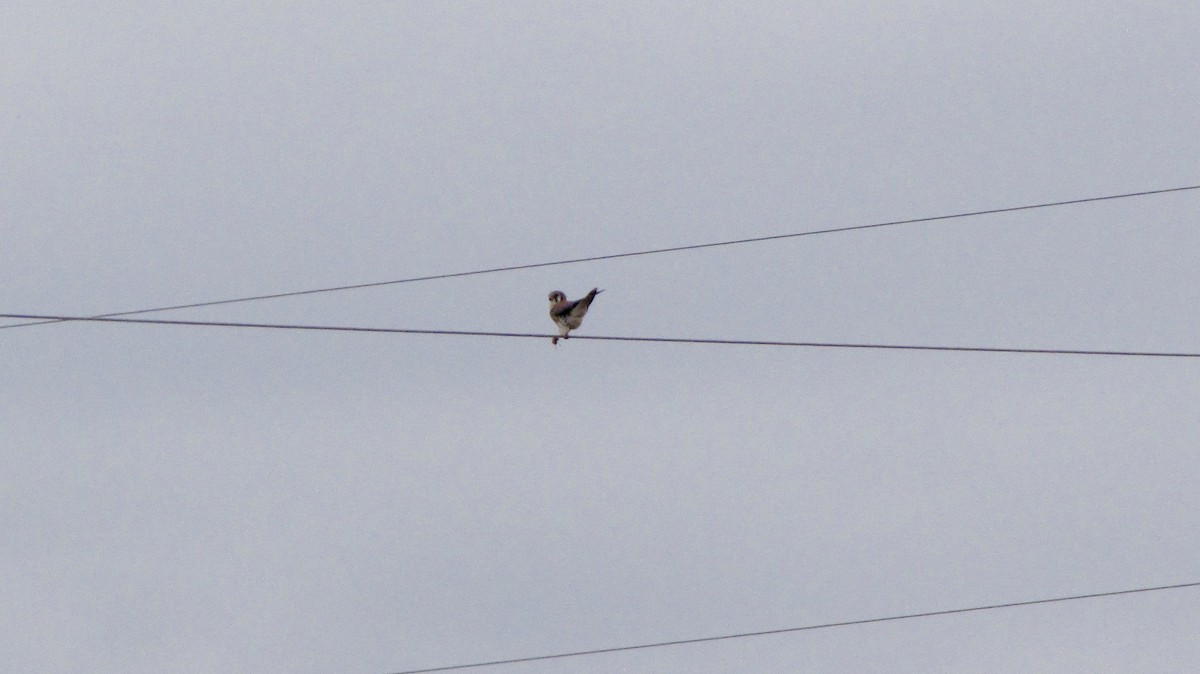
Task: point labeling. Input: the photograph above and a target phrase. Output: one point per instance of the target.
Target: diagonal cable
(806, 628)
(614, 256)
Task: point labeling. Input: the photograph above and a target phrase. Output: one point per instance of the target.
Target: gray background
(202, 500)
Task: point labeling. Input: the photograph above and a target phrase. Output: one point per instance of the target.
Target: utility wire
(664, 340)
(847, 623)
(654, 251)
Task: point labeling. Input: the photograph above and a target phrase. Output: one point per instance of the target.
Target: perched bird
(567, 315)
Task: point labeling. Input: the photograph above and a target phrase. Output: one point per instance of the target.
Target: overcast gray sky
(200, 500)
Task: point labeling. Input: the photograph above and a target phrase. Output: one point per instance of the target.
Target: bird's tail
(586, 300)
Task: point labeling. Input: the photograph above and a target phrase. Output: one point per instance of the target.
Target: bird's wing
(565, 308)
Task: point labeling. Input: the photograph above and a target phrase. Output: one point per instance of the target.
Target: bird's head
(557, 296)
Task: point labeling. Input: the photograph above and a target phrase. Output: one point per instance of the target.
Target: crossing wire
(661, 340)
(786, 630)
(653, 251)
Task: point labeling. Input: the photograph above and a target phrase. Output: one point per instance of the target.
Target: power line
(653, 251)
(847, 623)
(662, 340)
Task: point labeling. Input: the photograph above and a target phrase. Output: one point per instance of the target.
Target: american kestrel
(567, 315)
